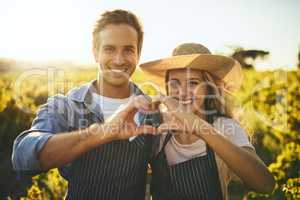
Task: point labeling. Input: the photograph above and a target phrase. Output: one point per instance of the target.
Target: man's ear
(95, 53)
(138, 57)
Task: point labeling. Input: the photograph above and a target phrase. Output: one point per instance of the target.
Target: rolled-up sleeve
(50, 119)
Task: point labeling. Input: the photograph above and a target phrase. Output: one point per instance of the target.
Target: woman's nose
(183, 92)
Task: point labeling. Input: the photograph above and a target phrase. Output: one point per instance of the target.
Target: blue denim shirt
(61, 113)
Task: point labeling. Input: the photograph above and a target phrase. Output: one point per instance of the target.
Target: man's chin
(117, 82)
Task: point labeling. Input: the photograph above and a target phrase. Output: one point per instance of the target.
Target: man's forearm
(62, 148)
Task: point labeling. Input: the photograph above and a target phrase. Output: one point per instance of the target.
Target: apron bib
(195, 179)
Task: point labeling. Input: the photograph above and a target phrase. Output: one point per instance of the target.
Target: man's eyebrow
(129, 46)
(107, 45)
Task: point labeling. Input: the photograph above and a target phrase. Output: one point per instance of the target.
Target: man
(88, 141)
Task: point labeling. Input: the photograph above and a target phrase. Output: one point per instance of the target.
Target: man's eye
(193, 83)
(129, 51)
(108, 49)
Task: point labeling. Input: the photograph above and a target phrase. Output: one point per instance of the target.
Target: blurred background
(46, 48)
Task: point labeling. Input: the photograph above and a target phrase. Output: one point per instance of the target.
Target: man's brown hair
(118, 17)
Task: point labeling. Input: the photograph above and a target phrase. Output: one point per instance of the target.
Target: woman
(204, 148)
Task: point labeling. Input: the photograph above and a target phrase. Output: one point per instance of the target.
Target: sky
(42, 30)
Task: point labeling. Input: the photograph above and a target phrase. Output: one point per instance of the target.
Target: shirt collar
(83, 93)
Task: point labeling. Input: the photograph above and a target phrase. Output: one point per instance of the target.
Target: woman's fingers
(171, 103)
(168, 101)
(131, 131)
(157, 99)
(166, 116)
(152, 103)
(145, 129)
(181, 121)
(169, 126)
(174, 129)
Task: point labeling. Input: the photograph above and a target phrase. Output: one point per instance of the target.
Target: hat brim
(221, 67)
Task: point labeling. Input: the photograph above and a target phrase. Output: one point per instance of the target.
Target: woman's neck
(183, 138)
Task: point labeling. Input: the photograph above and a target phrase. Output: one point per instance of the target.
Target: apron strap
(167, 139)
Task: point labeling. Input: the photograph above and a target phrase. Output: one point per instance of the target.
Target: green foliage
(292, 188)
(277, 103)
(47, 186)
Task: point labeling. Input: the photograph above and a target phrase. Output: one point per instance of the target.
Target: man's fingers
(141, 102)
(144, 102)
(137, 102)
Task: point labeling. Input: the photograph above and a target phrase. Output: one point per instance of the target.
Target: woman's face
(188, 87)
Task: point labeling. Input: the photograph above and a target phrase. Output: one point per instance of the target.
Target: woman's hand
(181, 121)
(121, 124)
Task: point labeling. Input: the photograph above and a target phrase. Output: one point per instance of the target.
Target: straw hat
(195, 56)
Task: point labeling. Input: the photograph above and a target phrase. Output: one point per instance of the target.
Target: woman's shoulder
(232, 130)
(225, 121)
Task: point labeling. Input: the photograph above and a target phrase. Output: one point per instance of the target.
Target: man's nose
(119, 59)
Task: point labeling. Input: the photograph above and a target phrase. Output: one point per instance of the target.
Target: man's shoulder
(64, 101)
(78, 93)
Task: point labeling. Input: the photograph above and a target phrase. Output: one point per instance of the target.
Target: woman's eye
(173, 84)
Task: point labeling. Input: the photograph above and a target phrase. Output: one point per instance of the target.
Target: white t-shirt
(230, 129)
(109, 105)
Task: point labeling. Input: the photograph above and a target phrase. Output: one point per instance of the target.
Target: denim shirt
(61, 114)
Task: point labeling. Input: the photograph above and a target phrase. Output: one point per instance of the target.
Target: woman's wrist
(203, 128)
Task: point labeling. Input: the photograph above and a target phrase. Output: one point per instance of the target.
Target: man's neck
(108, 90)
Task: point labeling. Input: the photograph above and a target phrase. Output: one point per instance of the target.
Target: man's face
(117, 55)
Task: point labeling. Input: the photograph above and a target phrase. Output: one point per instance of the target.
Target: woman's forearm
(241, 161)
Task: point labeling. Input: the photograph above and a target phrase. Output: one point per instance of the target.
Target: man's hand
(121, 125)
